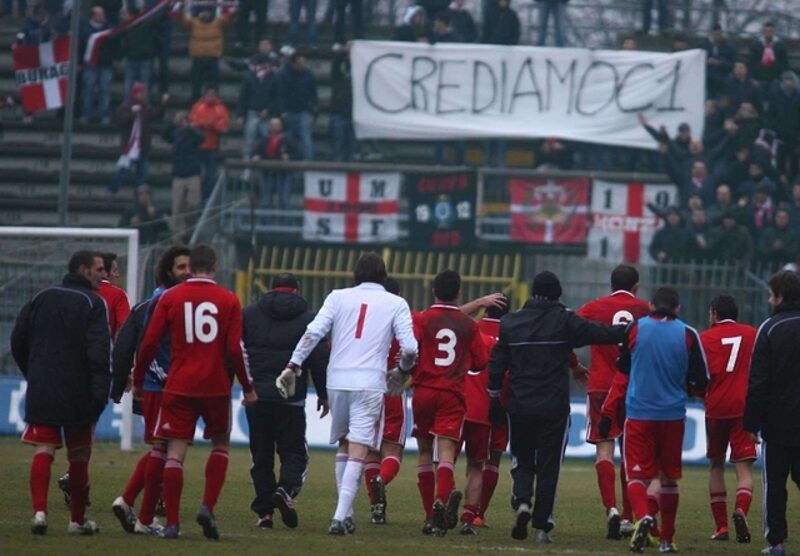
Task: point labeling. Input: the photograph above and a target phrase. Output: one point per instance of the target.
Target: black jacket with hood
(62, 344)
(272, 327)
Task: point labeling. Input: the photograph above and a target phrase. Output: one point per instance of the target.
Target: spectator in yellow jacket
(206, 45)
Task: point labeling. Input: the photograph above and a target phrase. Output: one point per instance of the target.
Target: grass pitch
(580, 522)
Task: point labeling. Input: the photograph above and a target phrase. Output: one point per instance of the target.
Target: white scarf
(133, 149)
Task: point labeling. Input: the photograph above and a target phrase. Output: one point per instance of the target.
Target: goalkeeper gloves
(604, 428)
(497, 413)
(285, 382)
(395, 382)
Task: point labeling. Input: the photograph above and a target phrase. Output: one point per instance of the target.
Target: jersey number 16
(200, 323)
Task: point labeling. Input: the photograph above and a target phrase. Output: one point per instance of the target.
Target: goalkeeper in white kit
(362, 321)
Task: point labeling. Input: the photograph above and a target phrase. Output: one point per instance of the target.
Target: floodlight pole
(69, 113)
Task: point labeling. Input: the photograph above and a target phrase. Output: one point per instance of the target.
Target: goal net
(34, 258)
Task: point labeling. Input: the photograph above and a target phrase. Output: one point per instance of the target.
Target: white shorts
(356, 416)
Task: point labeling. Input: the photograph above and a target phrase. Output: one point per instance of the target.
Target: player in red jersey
(729, 347)
(621, 307)
(382, 467)
(449, 345)
(204, 322)
(115, 297)
(475, 438)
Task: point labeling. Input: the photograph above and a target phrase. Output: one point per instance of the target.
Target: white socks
(348, 487)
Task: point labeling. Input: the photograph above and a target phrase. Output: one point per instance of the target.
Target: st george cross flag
(42, 74)
(622, 226)
(351, 207)
(549, 211)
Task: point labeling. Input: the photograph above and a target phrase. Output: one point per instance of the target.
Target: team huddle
(478, 386)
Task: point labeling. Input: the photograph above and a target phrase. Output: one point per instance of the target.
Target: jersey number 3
(447, 345)
(735, 342)
(200, 322)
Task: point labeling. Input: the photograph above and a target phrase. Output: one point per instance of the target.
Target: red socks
(637, 492)
(78, 489)
(390, 467)
(426, 483)
(627, 511)
(606, 476)
(470, 512)
(216, 468)
(153, 475)
(371, 470)
(40, 480)
(445, 481)
(743, 498)
(669, 511)
(490, 476)
(653, 508)
(173, 486)
(719, 509)
(136, 482)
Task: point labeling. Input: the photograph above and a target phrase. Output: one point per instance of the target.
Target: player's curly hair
(166, 262)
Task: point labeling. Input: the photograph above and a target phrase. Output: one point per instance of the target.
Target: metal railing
(598, 24)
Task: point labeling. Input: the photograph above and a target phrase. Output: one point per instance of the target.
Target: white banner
(458, 91)
(351, 207)
(622, 227)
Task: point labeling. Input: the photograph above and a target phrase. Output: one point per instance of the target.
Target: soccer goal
(34, 258)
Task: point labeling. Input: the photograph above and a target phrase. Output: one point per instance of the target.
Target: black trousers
(356, 18)
(537, 448)
(259, 7)
(281, 427)
(780, 461)
(204, 73)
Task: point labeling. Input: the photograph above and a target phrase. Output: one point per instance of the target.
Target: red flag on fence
(549, 211)
(42, 73)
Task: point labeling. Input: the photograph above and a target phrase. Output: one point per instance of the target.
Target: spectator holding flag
(98, 71)
(135, 117)
(137, 45)
(36, 28)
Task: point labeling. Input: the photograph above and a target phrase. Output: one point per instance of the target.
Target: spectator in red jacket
(210, 116)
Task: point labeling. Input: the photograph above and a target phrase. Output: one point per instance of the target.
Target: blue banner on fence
(12, 412)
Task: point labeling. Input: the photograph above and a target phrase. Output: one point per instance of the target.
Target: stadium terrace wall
(12, 403)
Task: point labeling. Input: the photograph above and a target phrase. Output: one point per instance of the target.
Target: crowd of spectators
(738, 183)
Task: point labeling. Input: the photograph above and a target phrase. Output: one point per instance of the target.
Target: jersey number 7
(735, 342)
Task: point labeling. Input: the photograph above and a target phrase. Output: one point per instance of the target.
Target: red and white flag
(549, 211)
(351, 207)
(622, 226)
(42, 74)
(96, 40)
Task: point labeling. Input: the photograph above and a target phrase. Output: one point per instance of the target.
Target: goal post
(33, 258)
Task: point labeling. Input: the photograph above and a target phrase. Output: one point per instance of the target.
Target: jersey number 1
(200, 323)
(735, 342)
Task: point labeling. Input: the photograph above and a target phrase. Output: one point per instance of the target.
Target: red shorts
(437, 413)
(151, 404)
(76, 436)
(475, 438)
(498, 442)
(594, 413)
(394, 420)
(651, 447)
(178, 416)
(721, 432)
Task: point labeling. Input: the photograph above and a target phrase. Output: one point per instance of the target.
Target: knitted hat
(546, 285)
